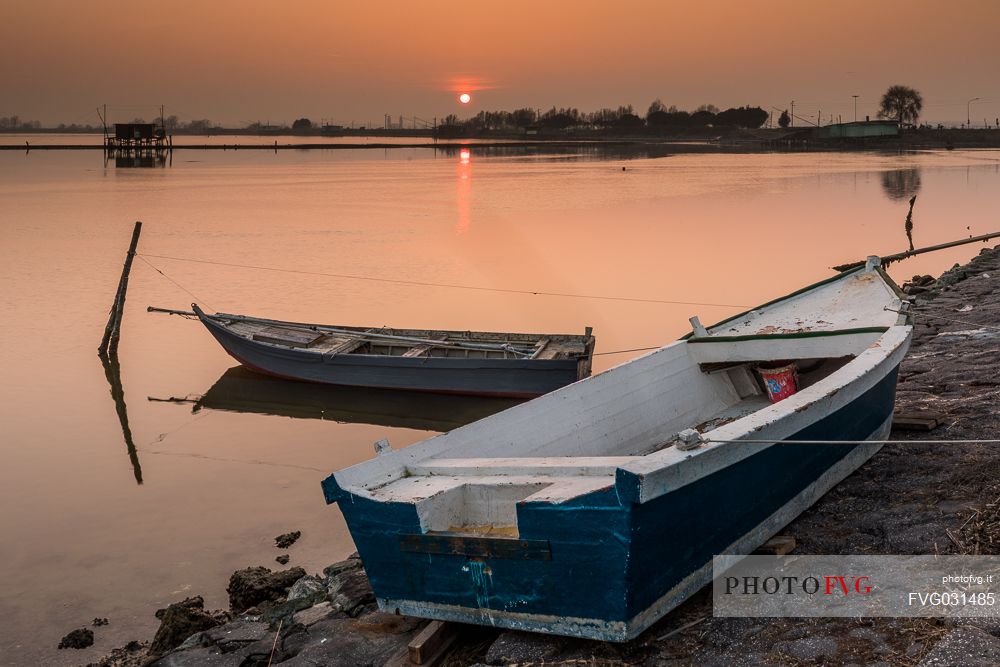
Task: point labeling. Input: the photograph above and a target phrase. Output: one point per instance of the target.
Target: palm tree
(902, 103)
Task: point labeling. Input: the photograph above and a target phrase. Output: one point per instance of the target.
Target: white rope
(852, 442)
(966, 323)
(421, 283)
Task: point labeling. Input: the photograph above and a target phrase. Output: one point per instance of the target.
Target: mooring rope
(634, 349)
(988, 441)
(419, 283)
(221, 459)
(918, 315)
(189, 292)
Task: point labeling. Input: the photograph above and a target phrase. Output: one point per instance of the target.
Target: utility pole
(792, 120)
(968, 112)
(855, 108)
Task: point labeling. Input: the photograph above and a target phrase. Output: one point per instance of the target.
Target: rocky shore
(910, 498)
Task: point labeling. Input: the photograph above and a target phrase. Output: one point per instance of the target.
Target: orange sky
(248, 60)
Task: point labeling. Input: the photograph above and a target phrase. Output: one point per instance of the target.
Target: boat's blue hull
(510, 378)
(601, 566)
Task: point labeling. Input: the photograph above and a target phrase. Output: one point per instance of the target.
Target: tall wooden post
(112, 330)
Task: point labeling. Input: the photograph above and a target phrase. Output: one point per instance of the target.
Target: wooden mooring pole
(112, 330)
(887, 259)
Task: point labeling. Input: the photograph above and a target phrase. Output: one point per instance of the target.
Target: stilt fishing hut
(136, 144)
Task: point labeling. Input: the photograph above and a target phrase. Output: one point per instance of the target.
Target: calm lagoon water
(82, 538)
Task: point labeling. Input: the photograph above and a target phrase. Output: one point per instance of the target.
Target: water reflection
(139, 159)
(241, 390)
(901, 184)
(908, 227)
(582, 151)
(112, 372)
(463, 189)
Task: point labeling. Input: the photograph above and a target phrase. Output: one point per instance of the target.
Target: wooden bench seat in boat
(421, 350)
(543, 466)
(806, 345)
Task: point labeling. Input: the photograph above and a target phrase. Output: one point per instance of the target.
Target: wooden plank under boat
(242, 390)
(594, 510)
(513, 365)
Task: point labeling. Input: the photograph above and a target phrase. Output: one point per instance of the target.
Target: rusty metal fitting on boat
(689, 439)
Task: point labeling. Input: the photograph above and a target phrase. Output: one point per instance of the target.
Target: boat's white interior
(572, 441)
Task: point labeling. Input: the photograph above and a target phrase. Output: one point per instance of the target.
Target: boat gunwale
(468, 335)
(787, 335)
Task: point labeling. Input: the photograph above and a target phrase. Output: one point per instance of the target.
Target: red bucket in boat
(779, 382)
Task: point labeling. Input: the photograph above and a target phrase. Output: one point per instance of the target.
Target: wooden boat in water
(242, 390)
(513, 365)
(594, 510)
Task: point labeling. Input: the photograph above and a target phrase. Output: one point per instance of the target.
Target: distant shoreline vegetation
(659, 119)
(704, 121)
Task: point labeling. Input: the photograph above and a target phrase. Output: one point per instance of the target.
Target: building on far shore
(858, 130)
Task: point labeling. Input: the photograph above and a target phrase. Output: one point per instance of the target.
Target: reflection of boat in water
(594, 510)
(241, 390)
(473, 363)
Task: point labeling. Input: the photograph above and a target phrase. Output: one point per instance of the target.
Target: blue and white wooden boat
(472, 363)
(596, 509)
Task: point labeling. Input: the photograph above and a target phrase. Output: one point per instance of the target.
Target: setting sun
(465, 98)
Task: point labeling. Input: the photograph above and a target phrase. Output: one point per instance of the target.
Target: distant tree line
(174, 124)
(196, 126)
(624, 118)
(16, 123)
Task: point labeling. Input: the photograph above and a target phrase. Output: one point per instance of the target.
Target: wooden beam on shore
(888, 259)
(779, 545)
(112, 330)
(428, 647)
